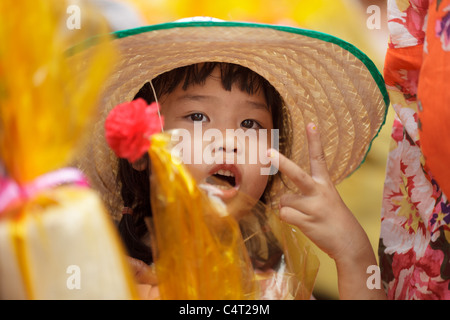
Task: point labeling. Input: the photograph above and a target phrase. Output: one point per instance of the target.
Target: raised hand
(319, 211)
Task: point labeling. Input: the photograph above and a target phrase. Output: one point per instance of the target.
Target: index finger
(317, 158)
(296, 174)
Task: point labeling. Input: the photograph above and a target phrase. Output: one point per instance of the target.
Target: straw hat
(321, 79)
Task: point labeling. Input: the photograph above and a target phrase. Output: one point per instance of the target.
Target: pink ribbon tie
(10, 191)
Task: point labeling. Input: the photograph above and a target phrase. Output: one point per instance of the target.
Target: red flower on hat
(129, 127)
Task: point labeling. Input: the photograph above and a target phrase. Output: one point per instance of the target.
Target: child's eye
(197, 117)
(250, 124)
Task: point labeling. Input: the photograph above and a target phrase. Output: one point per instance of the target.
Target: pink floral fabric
(414, 248)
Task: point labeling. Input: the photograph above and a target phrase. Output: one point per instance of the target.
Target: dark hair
(135, 185)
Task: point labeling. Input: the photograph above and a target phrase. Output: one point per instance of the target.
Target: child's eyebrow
(258, 105)
(199, 97)
(195, 97)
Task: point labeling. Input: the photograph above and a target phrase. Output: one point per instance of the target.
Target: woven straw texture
(320, 81)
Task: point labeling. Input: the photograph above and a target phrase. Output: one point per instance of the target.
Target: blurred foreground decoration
(56, 239)
(206, 250)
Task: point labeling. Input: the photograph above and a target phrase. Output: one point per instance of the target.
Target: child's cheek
(253, 182)
(197, 171)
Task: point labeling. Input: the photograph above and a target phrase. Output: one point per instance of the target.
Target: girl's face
(234, 155)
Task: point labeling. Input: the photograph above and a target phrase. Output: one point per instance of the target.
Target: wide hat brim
(321, 78)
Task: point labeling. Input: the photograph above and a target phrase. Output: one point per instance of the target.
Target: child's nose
(230, 144)
(227, 145)
(227, 149)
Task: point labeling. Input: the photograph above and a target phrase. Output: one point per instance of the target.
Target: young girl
(220, 96)
(254, 77)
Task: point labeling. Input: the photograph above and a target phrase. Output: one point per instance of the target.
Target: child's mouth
(225, 178)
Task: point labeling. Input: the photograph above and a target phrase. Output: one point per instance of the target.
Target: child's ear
(141, 164)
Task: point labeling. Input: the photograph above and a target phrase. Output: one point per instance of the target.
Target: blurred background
(360, 22)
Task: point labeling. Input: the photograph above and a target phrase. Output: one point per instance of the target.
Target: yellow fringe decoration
(200, 253)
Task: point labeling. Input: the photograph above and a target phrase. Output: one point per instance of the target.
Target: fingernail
(313, 126)
(270, 153)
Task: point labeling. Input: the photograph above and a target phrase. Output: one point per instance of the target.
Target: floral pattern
(414, 250)
(406, 20)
